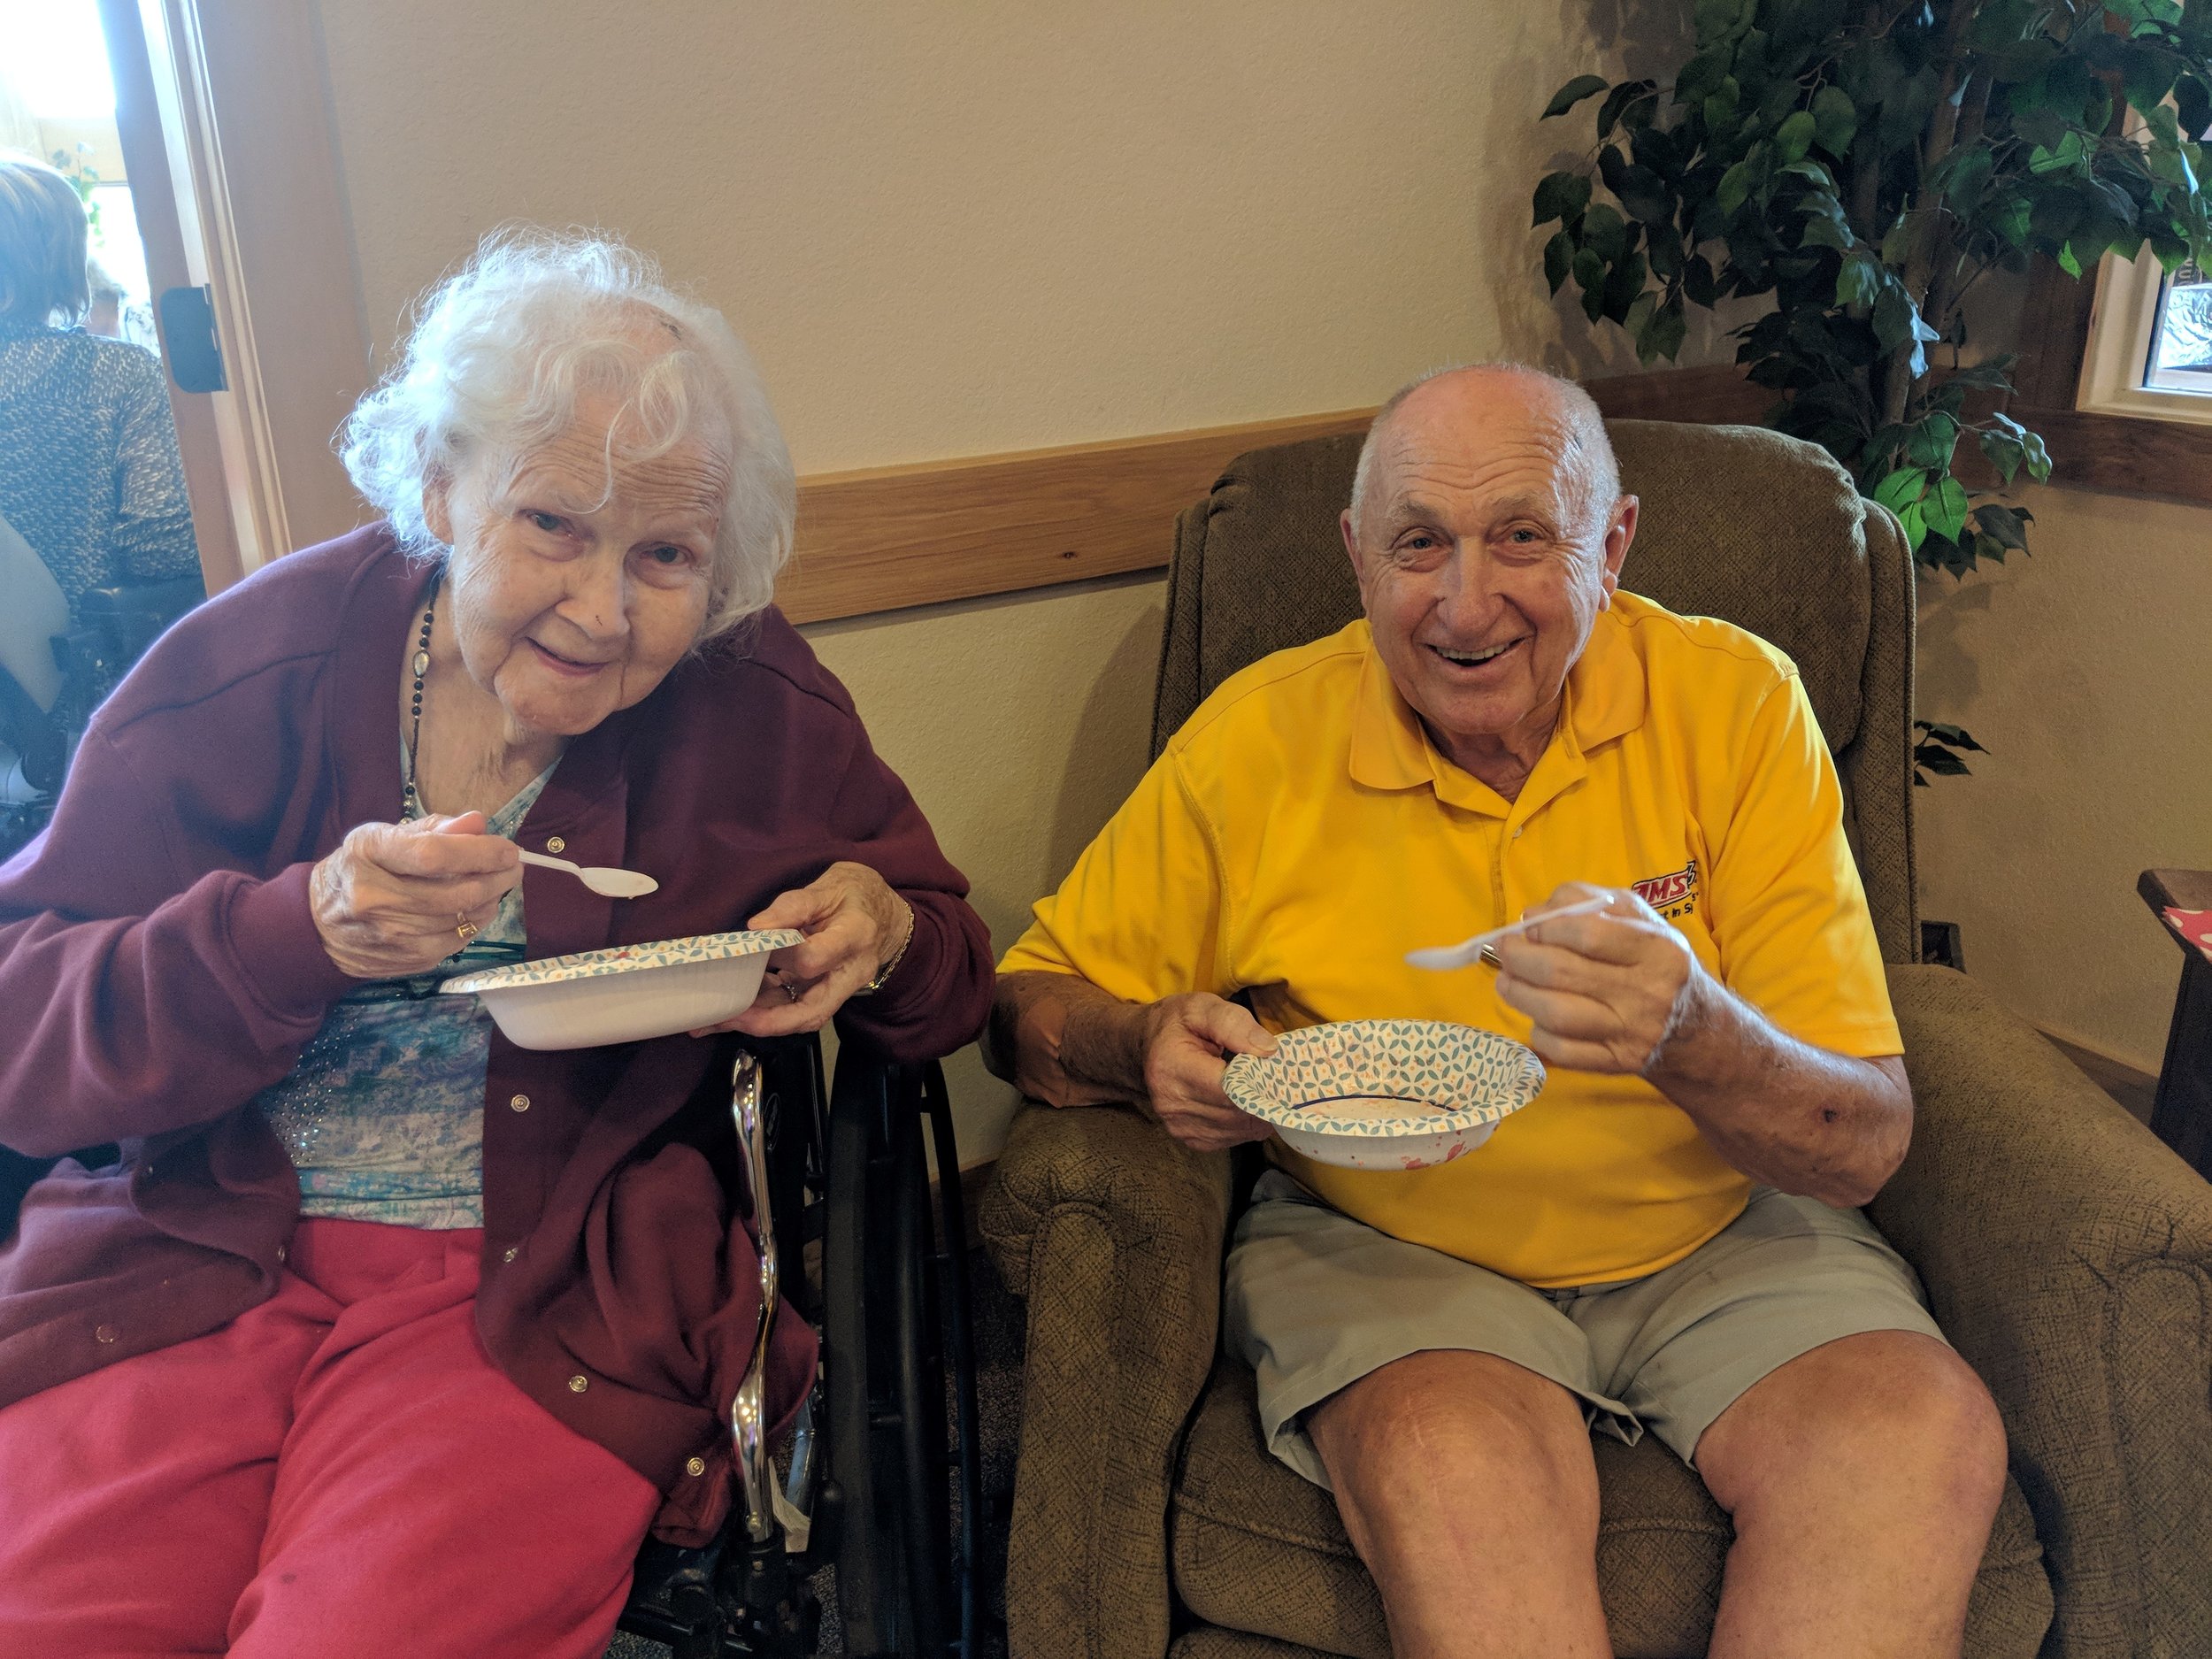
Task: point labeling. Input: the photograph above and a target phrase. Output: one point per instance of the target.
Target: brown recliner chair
(2066, 1252)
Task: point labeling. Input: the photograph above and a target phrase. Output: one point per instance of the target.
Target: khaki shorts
(1315, 1300)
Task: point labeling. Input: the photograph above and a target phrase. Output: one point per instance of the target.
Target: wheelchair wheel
(894, 1303)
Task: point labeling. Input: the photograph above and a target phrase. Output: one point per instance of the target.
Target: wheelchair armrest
(2069, 1256)
(1112, 1232)
(132, 617)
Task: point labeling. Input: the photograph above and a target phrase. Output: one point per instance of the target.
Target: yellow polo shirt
(1301, 834)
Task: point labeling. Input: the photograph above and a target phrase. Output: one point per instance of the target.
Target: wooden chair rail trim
(896, 536)
(892, 537)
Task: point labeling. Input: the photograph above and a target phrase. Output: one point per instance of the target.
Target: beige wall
(981, 225)
(1019, 724)
(2087, 671)
(957, 228)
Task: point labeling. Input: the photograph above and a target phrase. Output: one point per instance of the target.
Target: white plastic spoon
(1439, 958)
(610, 884)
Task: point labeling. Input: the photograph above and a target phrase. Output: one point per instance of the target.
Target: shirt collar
(1605, 699)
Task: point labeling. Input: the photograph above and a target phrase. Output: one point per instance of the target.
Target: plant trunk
(1931, 267)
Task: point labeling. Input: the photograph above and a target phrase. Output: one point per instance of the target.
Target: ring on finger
(465, 927)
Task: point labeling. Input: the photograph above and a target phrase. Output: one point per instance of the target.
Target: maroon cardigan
(159, 967)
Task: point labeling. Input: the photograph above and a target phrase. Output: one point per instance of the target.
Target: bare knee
(1447, 1433)
(1889, 1413)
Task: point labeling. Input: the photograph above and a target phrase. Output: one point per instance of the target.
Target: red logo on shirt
(1671, 896)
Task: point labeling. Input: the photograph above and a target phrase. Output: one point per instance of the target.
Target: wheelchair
(882, 1455)
(111, 628)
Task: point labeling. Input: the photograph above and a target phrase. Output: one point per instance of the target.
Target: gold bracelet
(885, 971)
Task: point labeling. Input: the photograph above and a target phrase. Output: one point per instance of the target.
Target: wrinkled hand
(852, 920)
(1186, 1042)
(390, 901)
(1607, 990)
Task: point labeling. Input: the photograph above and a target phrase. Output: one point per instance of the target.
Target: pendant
(422, 664)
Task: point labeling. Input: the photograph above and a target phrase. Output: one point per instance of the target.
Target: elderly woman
(381, 1335)
(88, 468)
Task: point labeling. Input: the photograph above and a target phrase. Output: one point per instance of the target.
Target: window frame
(2115, 349)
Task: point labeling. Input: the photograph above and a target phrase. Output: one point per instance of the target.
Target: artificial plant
(1866, 163)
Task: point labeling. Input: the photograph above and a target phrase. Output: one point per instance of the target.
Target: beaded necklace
(411, 806)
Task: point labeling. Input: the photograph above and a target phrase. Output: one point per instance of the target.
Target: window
(2181, 339)
(2150, 343)
(2149, 350)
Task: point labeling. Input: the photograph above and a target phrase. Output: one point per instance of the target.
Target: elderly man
(1666, 1239)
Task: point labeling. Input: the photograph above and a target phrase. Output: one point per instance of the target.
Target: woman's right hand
(390, 902)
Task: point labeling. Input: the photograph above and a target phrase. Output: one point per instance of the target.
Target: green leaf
(1915, 524)
(2004, 452)
(1559, 253)
(1573, 93)
(2003, 524)
(1859, 280)
(1933, 442)
(2072, 154)
(1825, 233)
(1615, 109)
(1668, 330)
(1639, 319)
(1719, 21)
(1969, 177)
(1720, 102)
(1698, 77)
(1835, 121)
(1795, 135)
(2039, 458)
(2193, 102)
(2148, 74)
(1942, 762)
(1622, 287)
(1896, 323)
(1901, 488)
(1945, 508)
(2000, 23)
(1561, 195)
(1949, 736)
(1605, 233)
(1699, 282)
(1735, 187)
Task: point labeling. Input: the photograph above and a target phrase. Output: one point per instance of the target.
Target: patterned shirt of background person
(89, 474)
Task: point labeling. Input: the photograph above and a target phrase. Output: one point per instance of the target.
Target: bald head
(1510, 400)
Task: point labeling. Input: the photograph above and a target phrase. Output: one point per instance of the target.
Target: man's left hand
(1607, 990)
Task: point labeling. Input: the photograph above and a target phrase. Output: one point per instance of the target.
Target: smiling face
(574, 584)
(1489, 537)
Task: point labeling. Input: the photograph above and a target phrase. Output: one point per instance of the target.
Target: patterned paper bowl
(625, 994)
(1386, 1094)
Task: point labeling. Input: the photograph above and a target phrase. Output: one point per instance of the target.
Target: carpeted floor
(998, 1340)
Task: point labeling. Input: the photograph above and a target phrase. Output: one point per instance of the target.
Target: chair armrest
(2069, 1256)
(1112, 1233)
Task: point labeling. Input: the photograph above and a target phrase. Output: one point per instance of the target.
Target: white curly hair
(505, 349)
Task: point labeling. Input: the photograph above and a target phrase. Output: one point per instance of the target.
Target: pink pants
(339, 1471)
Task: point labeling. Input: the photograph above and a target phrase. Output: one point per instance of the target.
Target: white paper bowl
(1386, 1094)
(625, 994)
